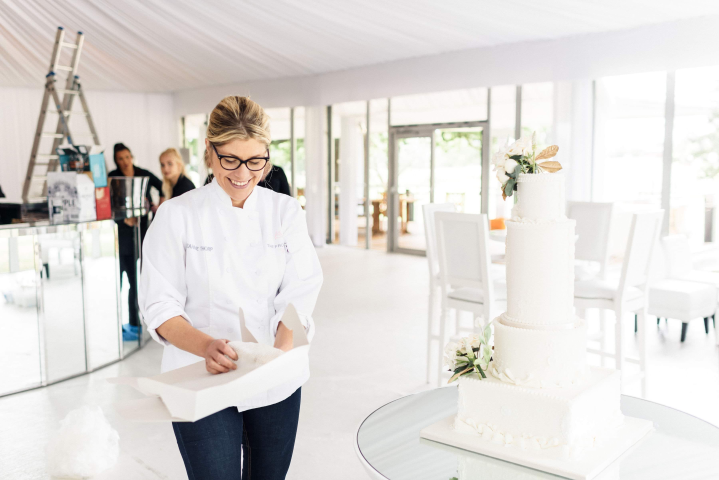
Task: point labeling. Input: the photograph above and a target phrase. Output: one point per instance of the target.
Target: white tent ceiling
(164, 45)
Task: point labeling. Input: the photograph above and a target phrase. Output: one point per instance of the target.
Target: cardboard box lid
(191, 393)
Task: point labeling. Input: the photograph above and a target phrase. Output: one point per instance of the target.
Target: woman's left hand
(283, 339)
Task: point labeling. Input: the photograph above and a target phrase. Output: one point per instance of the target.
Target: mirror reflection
(63, 325)
(20, 339)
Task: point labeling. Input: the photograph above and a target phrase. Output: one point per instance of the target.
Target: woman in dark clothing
(126, 234)
(175, 181)
(276, 180)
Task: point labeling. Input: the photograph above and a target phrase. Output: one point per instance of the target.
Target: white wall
(680, 44)
(146, 123)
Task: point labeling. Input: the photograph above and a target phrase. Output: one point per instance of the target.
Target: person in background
(276, 180)
(175, 181)
(126, 234)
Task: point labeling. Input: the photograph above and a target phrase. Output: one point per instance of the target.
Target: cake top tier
(540, 196)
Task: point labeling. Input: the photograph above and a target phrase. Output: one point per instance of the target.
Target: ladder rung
(69, 45)
(45, 155)
(63, 67)
(42, 164)
(68, 92)
(39, 176)
(68, 112)
(52, 135)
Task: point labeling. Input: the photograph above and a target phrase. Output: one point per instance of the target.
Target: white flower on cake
(471, 354)
(521, 157)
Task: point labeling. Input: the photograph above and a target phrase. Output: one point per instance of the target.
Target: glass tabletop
(388, 445)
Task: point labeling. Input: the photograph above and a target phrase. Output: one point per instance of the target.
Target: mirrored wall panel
(20, 360)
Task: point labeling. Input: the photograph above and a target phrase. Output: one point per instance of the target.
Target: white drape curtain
(316, 171)
(351, 170)
(146, 123)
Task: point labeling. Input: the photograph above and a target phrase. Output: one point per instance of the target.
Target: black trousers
(128, 265)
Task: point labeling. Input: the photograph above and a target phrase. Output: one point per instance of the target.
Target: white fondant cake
(531, 418)
(540, 358)
(540, 394)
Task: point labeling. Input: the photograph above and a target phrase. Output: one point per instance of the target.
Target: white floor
(370, 348)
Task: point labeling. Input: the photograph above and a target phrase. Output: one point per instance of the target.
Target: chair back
(594, 222)
(677, 255)
(428, 210)
(643, 236)
(463, 252)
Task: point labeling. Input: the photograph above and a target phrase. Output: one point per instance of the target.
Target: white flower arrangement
(521, 157)
(469, 355)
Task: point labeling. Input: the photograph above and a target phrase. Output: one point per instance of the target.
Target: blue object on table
(98, 169)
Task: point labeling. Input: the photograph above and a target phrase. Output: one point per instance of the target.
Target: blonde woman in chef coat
(229, 245)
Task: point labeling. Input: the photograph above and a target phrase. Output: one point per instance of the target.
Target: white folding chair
(464, 266)
(629, 294)
(428, 210)
(594, 221)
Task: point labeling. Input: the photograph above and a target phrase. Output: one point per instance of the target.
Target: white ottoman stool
(682, 300)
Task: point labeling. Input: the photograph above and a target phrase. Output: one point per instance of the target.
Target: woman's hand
(131, 221)
(283, 339)
(215, 360)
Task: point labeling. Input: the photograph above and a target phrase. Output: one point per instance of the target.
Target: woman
(175, 181)
(227, 246)
(126, 234)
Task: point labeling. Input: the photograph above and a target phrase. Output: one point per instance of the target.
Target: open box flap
(190, 393)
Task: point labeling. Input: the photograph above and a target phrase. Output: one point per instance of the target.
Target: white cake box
(70, 197)
(191, 393)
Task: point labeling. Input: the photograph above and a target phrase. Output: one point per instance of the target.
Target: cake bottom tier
(571, 418)
(540, 358)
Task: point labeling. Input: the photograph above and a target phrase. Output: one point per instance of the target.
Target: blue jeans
(265, 437)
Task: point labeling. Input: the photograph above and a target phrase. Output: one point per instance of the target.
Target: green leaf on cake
(509, 187)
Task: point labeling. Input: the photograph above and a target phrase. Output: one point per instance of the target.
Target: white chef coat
(203, 260)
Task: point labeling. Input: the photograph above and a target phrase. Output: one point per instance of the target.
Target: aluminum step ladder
(35, 186)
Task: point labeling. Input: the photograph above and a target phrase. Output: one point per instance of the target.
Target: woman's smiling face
(238, 184)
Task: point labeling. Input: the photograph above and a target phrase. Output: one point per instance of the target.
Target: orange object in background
(102, 203)
(497, 224)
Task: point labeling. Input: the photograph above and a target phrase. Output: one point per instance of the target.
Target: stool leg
(706, 324)
(714, 321)
(659, 319)
(635, 323)
(684, 330)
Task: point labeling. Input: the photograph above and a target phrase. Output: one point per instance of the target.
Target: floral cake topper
(521, 157)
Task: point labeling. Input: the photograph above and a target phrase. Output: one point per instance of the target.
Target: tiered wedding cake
(540, 393)
(532, 399)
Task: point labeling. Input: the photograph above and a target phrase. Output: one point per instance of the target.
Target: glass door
(414, 185)
(433, 163)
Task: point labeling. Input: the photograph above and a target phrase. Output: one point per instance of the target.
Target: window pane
(695, 166)
(504, 112)
(538, 111)
(280, 132)
(629, 139)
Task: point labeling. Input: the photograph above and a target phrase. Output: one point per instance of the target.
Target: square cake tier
(533, 418)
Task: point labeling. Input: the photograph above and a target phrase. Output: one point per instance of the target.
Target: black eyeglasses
(230, 162)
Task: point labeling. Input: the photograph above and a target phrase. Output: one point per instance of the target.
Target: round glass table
(389, 446)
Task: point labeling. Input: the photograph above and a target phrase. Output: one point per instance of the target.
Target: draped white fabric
(169, 45)
(144, 122)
